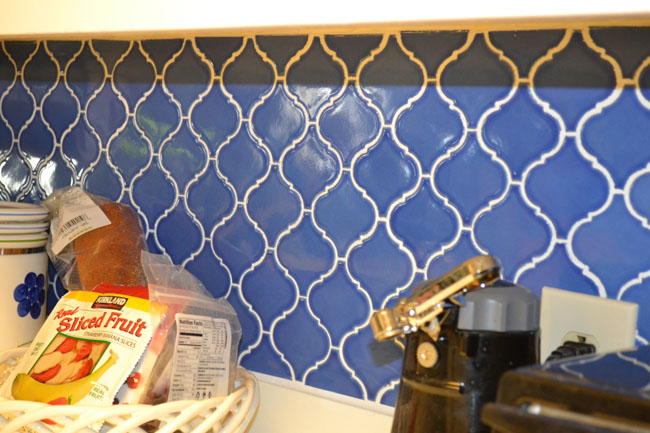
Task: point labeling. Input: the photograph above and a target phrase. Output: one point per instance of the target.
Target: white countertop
(289, 407)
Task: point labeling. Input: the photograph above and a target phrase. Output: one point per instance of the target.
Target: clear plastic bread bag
(193, 350)
(93, 240)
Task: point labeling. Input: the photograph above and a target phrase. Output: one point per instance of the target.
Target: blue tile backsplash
(313, 179)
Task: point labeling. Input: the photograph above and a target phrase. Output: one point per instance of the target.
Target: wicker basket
(232, 413)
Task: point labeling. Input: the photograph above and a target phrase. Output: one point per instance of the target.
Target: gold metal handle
(420, 311)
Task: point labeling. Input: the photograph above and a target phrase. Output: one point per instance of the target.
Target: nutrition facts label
(200, 366)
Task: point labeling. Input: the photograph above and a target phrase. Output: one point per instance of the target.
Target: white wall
(67, 18)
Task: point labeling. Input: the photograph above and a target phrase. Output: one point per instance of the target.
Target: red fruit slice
(84, 350)
(134, 380)
(59, 401)
(67, 345)
(84, 370)
(47, 374)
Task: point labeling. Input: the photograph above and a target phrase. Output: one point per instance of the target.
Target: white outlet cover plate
(612, 323)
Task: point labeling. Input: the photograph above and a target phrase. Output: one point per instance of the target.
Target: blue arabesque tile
(20, 51)
(153, 193)
(477, 79)
(524, 48)
(14, 175)
(184, 156)
(268, 291)
(639, 198)
(129, 151)
(373, 363)
(35, 142)
(301, 339)
(316, 78)
(310, 166)
(102, 180)
(134, 76)
(178, 220)
(60, 110)
(213, 128)
(40, 73)
(106, 112)
(311, 179)
(370, 170)
(349, 124)
(625, 148)
(273, 205)
(17, 106)
(470, 179)
(63, 52)
(520, 133)
(567, 200)
(429, 127)
(305, 253)
(158, 117)
(333, 376)
(210, 270)
(210, 198)
(187, 78)
(574, 80)
(280, 49)
(352, 49)
(55, 174)
(247, 78)
(242, 161)
(110, 51)
(412, 223)
(278, 121)
(380, 266)
(557, 270)
(238, 243)
(161, 51)
(339, 304)
(390, 79)
(512, 232)
(463, 249)
(614, 257)
(81, 148)
(85, 75)
(265, 359)
(344, 214)
(433, 48)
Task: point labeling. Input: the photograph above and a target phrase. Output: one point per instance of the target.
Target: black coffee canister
(496, 330)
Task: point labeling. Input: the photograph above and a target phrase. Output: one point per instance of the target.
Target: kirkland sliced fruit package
(86, 349)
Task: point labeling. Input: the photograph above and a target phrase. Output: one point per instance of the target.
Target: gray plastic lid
(501, 307)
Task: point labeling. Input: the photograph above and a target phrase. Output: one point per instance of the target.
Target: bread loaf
(111, 254)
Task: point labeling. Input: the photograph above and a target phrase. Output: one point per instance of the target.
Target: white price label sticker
(80, 216)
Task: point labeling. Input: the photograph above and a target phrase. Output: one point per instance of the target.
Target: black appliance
(463, 331)
(595, 393)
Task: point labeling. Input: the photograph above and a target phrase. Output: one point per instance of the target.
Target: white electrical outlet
(608, 324)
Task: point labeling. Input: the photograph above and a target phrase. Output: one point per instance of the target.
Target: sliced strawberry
(47, 374)
(134, 380)
(84, 370)
(67, 345)
(84, 350)
(59, 401)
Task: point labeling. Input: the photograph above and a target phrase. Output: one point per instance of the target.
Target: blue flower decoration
(30, 295)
